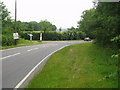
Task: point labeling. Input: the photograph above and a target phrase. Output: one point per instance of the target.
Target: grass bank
(22, 42)
(78, 66)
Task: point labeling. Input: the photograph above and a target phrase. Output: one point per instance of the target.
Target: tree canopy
(102, 22)
(47, 26)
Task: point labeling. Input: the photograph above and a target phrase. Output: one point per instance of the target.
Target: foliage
(8, 27)
(4, 13)
(47, 26)
(74, 29)
(71, 29)
(116, 40)
(101, 22)
(60, 29)
(35, 26)
(87, 23)
(108, 27)
(7, 40)
(7, 30)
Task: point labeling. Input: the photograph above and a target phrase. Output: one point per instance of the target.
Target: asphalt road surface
(18, 62)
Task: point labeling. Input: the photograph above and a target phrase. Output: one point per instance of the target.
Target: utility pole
(15, 19)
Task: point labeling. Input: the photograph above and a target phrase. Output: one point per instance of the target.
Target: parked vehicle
(87, 39)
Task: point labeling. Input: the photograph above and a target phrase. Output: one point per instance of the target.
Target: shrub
(7, 36)
(7, 40)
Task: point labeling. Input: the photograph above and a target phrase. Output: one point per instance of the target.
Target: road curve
(18, 62)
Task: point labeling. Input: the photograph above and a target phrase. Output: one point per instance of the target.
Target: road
(18, 62)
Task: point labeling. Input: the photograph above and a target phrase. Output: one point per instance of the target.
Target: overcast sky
(62, 13)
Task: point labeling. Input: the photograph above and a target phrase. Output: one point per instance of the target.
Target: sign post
(40, 36)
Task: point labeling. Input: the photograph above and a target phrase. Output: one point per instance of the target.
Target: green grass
(22, 42)
(78, 66)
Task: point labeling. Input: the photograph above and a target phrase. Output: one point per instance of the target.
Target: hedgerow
(53, 35)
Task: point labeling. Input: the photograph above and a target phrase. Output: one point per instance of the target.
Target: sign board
(15, 35)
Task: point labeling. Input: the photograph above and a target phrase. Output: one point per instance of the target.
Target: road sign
(15, 35)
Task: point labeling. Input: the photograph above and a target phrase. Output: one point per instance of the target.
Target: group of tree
(43, 25)
(8, 26)
(102, 23)
(73, 29)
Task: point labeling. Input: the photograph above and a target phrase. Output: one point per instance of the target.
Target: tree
(53, 28)
(46, 26)
(33, 25)
(4, 14)
(101, 22)
(87, 24)
(107, 15)
(6, 19)
(71, 29)
(60, 29)
(7, 30)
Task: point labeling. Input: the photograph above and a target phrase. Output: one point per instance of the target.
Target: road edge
(29, 76)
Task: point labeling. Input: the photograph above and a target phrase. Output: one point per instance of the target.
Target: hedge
(7, 39)
(53, 35)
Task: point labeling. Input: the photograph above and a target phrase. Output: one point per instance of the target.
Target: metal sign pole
(15, 18)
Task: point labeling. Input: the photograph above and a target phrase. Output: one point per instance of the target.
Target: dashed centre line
(9, 56)
(32, 49)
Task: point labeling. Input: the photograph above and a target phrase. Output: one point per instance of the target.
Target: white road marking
(32, 49)
(54, 44)
(44, 46)
(50, 45)
(9, 56)
(22, 81)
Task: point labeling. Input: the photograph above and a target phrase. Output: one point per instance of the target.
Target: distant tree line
(43, 25)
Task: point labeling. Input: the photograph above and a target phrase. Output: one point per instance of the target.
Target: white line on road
(32, 49)
(23, 80)
(9, 56)
(44, 46)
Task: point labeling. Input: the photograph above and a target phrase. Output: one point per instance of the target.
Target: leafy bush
(7, 40)
(7, 36)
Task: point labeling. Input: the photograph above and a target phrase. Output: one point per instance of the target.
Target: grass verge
(78, 66)
(22, 42)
